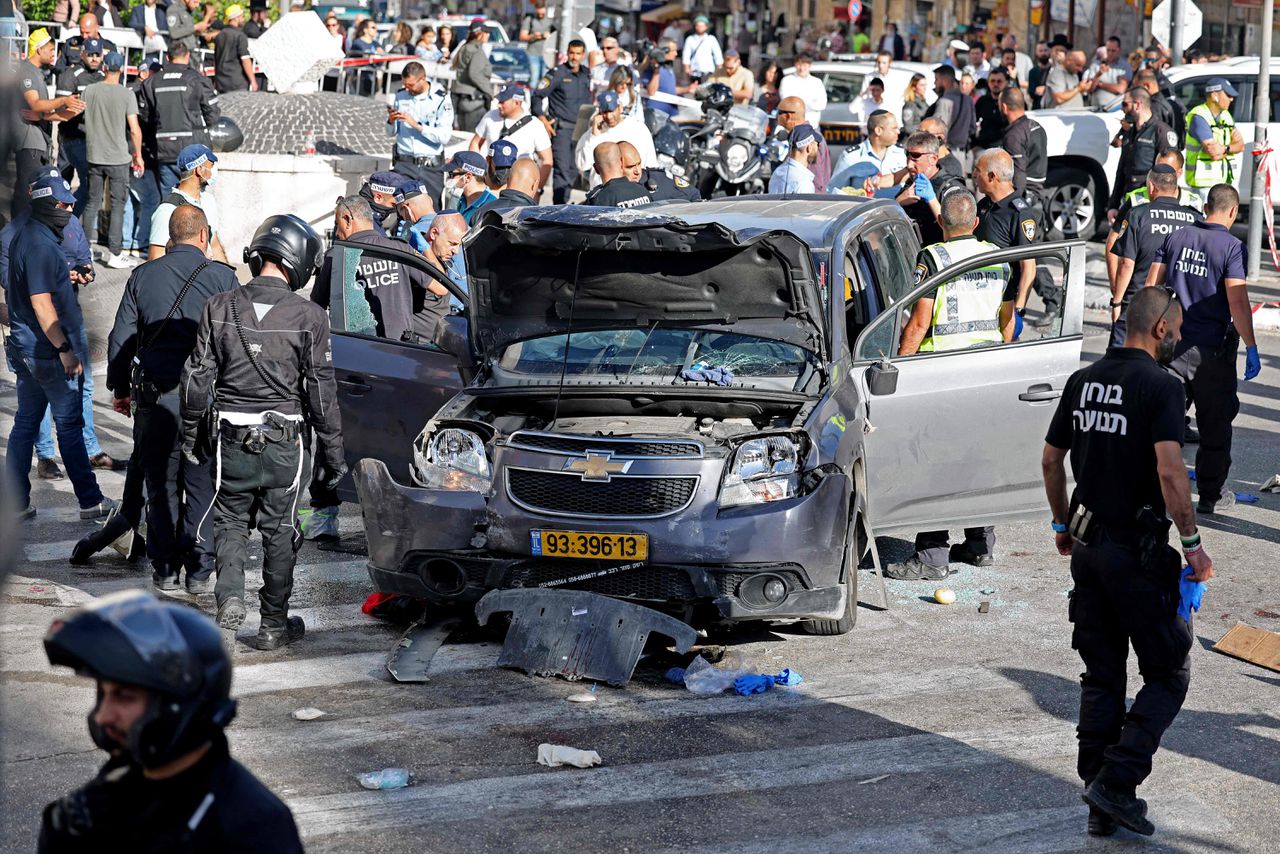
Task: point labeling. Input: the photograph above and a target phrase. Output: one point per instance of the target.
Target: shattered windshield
(662, 353)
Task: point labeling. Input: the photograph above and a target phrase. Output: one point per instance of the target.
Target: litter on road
(944, 596)
(1252, 644)
(556, 755)
(307, 714)
(387, 778)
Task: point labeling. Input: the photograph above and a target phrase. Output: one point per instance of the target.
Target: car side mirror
(453, 337)
(882, 378)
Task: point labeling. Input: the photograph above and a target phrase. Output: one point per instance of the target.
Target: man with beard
(1140, 143)
(1121, 421)
(1204, 266)
(793, 175)
(163, 700)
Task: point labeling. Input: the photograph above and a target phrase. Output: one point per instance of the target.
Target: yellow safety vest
(966, 309)
(1202, 171)
(1186, 198)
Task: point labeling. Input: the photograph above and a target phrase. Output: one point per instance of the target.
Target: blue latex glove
(1252, 363)
(1017, 325)
(924, 189)
(1190, 594)
(1246, 498)
(788, 678)
(676, 675)
(752, 684)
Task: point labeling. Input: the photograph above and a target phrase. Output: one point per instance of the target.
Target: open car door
(387, 390)
(957, 441)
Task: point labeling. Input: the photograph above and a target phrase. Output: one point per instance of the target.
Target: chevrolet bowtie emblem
(597, 466)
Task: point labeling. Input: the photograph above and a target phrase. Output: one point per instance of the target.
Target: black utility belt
(277, 430)
(433, 160)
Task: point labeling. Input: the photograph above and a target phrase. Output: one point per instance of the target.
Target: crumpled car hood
(635, 267)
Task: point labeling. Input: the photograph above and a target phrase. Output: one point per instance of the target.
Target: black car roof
(816, 221)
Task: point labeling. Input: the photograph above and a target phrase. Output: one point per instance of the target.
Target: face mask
(48, 212)
(213, 175)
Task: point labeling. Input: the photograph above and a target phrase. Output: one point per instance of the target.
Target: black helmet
(172, 651)
(672, 142)
(225, 135)
(287, 240)
(718, 97)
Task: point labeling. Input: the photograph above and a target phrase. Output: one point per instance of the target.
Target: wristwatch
(65, 348)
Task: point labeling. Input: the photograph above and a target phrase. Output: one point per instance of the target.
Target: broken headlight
(761, 470)
(452, 459)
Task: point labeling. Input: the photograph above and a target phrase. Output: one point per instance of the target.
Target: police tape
(1268, 168)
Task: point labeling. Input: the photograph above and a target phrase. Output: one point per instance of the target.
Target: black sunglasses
(916, 155)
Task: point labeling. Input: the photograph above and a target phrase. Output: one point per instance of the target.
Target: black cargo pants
(258, 490)
(179, 492)
(1116, 604)
(933, 548)
(1210, 377)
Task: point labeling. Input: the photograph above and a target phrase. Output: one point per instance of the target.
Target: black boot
(293, 630)
(1125, 809)
(116, 527)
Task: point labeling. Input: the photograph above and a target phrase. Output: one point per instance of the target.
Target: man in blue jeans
(47, 349)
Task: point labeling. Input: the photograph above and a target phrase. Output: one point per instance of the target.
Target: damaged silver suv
(696, 407)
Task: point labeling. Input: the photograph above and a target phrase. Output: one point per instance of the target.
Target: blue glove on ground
(1252, 363)
(752, 684)
(788, 678)
(924, 189)
(676, 675)
(1190, 594)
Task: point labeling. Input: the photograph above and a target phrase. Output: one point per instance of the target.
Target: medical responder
(466, 183)
(1140, 144)
(556, 102)
(1205, 266)
(162, 703)
(1120, 419)
(262, 362)
(1139, 237)
(1213, 141)
(1006, 219)
(153, 336)
(421, 119)
(180, 104)
(793, 175)
(964, 312)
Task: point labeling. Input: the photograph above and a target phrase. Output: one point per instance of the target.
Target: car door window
(1191, 94)
(962, 321)
(843, 88)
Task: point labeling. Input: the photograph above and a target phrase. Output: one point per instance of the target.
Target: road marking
(354, 667)
(638, 704)
(700, 776)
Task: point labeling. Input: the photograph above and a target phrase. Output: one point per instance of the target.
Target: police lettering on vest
(966, 309)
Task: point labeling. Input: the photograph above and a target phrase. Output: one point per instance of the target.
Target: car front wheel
(1072, 202)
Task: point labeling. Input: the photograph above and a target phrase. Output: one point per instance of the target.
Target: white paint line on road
(1036, 831)
(634, 706)
(354, 667)
(700, 776)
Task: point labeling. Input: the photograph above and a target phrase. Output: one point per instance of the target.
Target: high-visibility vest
(1186, 198)
(966, 309)
(1202, 171)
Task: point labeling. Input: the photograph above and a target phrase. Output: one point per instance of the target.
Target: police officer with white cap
(421, 119)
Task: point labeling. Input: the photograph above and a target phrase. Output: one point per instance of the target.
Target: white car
(846, 83)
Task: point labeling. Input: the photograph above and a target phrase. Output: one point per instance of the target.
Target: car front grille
(621, 448)
(651, 583)
(618, 497)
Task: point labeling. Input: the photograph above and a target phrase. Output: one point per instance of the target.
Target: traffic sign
(1192, 26)
(855, 9)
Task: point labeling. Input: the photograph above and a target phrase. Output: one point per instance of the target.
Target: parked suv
(717, 436)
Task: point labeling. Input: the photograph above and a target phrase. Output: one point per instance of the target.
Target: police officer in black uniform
(73, 157)
(1121, 421)
(660, 184)
(556, 102)
(1027, 144)
(1140, 144)
(1139, 237)
(163, 701)
(615, 190)
(262, 363)
(179, 102)
(1007, 219)
(154, 334)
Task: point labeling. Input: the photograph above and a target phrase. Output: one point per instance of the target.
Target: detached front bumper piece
(575, 635)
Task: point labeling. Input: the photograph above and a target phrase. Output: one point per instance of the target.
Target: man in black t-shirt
(1121, 421)
(232, 63)
(616, 190)
(1007, 219)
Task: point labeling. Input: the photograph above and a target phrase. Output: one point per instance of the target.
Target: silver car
(697, 407)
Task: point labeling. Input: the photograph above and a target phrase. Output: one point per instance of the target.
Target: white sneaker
(120, 262)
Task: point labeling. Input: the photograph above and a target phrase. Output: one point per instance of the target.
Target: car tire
(852, 557)
(1074, 190)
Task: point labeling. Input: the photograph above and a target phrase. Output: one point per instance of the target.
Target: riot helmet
(287, 240)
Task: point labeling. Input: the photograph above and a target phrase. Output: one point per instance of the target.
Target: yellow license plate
(837, 135)
(582, 544)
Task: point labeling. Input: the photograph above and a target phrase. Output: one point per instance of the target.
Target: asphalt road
(929, 728)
